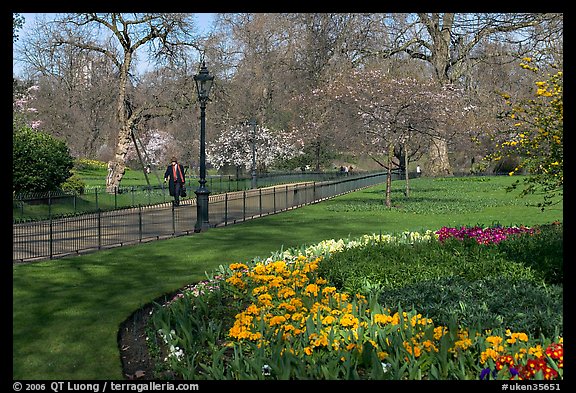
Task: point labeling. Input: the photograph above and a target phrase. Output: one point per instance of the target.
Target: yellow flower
(349, 320)
(328, 320)
(494, 340)
(297, 316)
(322, 341)
(439, 331)
(328, 290)
(536, 351)
(236, 281)
(260, 289)
(265, 299)
(488, 354)
(382, 318)
(516, 336)
(430, 346)
(238, 266)
(312, 289)
(253, 309)
(277, 320)
(296, 302)
(463, 344)
(287, 306)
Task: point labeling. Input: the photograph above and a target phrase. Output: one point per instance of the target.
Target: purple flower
(485, 374)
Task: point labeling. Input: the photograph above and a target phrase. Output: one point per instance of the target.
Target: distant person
(418, 171)
(174, 175)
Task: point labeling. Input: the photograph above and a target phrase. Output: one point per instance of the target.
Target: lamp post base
(202, 220)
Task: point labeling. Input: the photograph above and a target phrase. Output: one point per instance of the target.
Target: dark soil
(136, 360)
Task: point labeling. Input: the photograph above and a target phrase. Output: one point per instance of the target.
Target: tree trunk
(117, 167)
(438, 164)
(406, 173)
(389, 175)
(439, 27)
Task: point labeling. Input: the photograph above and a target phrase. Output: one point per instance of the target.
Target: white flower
(266, 369)
(385, 366)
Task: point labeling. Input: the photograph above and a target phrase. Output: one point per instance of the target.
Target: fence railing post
(174, 220)
(314, 198)
(50, 240)
(244, 205)
(99, 226)
(226, 209)
(140, 231)
(260, 200)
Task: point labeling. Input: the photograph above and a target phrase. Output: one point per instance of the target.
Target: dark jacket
(180, 177)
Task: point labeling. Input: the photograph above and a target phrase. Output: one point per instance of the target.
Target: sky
(204, 21)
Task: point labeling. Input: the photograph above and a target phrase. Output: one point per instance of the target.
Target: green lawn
(66, 312)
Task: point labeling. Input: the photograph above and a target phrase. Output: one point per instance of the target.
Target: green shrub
(487, 303)
(74, 184)
(543, 252)
(40, 162)
(390, 266)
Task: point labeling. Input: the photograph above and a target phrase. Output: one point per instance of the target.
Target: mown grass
(66, 312)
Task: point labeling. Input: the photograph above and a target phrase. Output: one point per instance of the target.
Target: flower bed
(294, 325)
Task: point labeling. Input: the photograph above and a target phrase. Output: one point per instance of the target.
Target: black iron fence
(47, 205)
(58, 237)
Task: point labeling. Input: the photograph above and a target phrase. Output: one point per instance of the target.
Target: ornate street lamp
(253, 140)
(203, 84)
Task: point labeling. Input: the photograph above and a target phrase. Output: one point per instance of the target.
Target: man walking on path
(174, 175)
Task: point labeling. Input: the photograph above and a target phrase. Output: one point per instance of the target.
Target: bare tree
(75, 98)
(120, 38)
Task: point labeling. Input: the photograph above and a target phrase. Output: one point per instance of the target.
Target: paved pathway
(94, 231)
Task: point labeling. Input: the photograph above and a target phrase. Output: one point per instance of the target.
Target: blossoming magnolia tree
(394, 112)
(234, 146)
(155, 144)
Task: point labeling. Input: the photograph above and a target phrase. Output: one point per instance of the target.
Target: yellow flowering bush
(536, 135)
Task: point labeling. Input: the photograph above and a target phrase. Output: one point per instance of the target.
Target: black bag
(183, 192)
